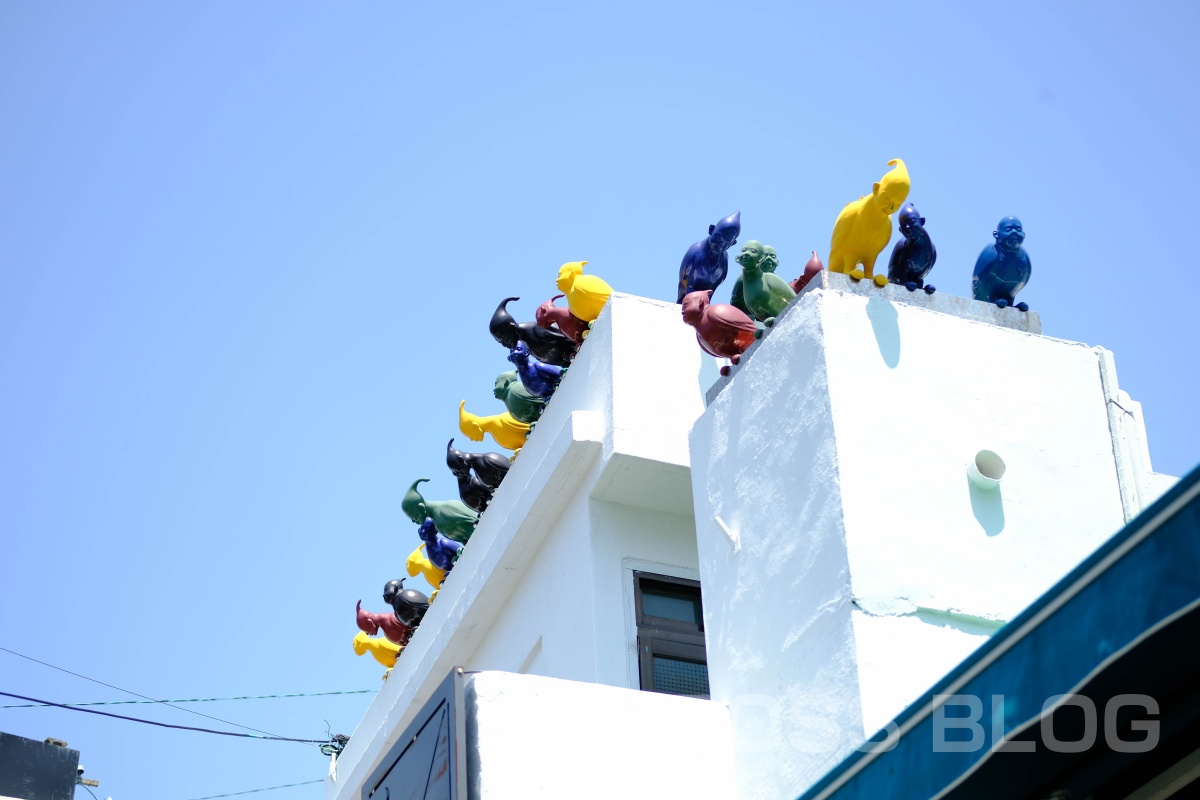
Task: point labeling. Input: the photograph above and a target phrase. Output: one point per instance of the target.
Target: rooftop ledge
(599, 435)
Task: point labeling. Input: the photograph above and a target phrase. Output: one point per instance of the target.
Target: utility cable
(89, 791)
(268, 737)
(252, 791)
(135, 694)
(197, 699)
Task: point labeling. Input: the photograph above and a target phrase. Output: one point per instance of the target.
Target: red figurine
(571, 326)
(395, 630)
(811, 270)
(721, 329)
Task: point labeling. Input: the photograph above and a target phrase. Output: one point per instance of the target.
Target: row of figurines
(861, 232)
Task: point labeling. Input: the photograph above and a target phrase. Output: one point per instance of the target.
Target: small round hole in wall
(986, 469)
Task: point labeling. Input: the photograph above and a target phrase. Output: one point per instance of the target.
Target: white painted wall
(531, 737)
(866, 565)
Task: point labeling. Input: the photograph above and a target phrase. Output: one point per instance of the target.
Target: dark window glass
(670, 620)
(676, 676)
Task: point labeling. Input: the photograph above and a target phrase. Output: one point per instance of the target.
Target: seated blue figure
(1003, 268)
(914, 255)
(705, 264)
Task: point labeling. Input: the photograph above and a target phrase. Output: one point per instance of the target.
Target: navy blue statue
(1003, 268)
(539, 379)
(914, 255)
(440, 551)
(490, 467)
(546, 344)
(705, 264)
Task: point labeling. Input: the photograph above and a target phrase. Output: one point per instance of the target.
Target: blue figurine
(914, 255)
(1003, 268)
(440, 551)
(539, 379)
(705, 264)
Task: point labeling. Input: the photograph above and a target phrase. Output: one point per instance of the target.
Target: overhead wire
(252, 791)
(135, 694)
(197, 699)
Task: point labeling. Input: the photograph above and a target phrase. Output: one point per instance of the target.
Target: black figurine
(914, 255)
(546, 344)
(490, 467)
(409, 605)
(471, 490)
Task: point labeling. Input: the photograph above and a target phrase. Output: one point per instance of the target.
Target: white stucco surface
(866, 564)
(533, 737)
(542, 586)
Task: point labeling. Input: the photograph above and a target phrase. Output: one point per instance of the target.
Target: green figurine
(768, 263)
(765, 293)
(452, 518)
(516, 398)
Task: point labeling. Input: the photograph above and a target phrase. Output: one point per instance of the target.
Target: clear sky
(248, 252)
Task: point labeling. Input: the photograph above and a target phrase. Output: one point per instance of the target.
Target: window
(670, 624)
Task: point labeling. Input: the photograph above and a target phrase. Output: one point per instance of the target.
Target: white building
(828, 506)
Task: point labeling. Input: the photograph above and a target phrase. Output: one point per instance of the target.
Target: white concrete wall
(860, 564)
(531, 737)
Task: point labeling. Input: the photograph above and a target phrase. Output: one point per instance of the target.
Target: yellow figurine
(419, 563)
(504, 428)
(864, 227)
(586, 294)
(381, 649)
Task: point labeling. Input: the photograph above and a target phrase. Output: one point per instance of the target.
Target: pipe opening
(990, 465)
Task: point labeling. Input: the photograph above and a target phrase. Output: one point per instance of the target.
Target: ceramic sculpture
(1003, 268)
(394, 629)
(441, 552)
(452, 517)
(768, 263)
(546, 344)
(811, 270)
(721, 330)
(381, 649)
(586, 294)
(471, 490)
(409, 606)
(706, 263)
(516, 398)
(539, 379)
(571, 326)
(418, 563)
(504, 428)
(766, 294)
(914, 255)
(490, 467)
(864, 226)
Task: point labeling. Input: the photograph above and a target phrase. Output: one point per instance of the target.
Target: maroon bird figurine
(395, 630)
(571, 326)
(721, 329)
(811, 270)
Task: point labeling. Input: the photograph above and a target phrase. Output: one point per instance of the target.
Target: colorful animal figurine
(490, 467)
(471, 490)
(766, 294)
(539, 379)
(504, 428)
(721, 330)
(418, 563)
(516, 398)
(864, 227)
(705, 264)
(1003, 268)
(586, 294)
(452, 517)
(381, 649)
(440, 551)
(571, 326)
(811, 270)
(394, 629)
(546, 344)
(768, 263)
(914, 255)
(409, 606)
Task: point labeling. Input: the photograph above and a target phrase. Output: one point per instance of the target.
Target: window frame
(665, 637)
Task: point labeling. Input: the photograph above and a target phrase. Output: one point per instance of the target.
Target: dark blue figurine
(440, 551)
(471, 490)
(539, 379)
(705, 264)
(1003, 268)
(914, 255)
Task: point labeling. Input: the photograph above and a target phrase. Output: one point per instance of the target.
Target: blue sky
(248, 252)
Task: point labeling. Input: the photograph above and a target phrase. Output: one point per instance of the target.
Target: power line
(89, 791)
(268, 737)
(135, 694)
(252, 791)
(195, 699)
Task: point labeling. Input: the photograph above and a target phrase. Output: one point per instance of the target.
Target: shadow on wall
(883, 317)
(988, 507)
